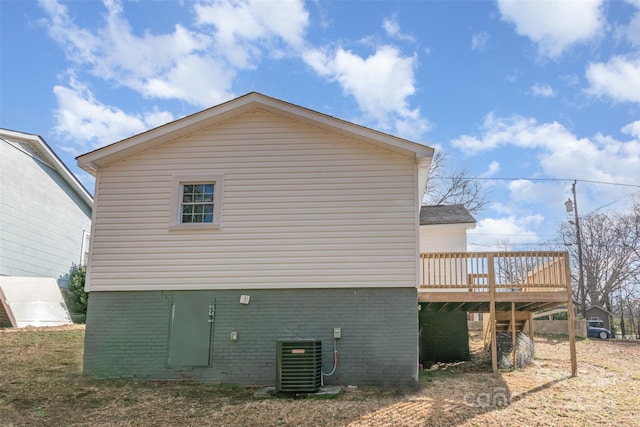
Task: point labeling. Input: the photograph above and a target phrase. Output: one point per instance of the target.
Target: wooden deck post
(491, 279)
(531, 331)
(571, 319)
(514, 337)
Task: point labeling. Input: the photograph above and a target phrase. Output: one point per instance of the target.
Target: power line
(480, 178)
(516, 244)
(511, 234)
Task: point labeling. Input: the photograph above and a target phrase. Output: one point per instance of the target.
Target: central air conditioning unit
(299, 366)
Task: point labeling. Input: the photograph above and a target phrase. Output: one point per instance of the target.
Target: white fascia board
(424, 164)
(457, 225)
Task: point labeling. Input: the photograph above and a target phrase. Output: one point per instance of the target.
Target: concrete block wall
(559, 327)
(444, 336)
(128, 334)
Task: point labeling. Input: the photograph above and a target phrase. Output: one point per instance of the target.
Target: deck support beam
(514, 337)
(571, 320)
(492, 302)
(531, 332)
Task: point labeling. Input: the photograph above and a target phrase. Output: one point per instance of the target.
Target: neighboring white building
(45, 220)
(45, 212)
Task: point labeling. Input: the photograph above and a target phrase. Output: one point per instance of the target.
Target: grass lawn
(41, 384)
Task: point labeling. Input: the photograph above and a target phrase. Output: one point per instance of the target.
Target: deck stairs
(505, 322)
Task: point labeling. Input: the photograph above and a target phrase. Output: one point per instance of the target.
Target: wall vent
(299, 365)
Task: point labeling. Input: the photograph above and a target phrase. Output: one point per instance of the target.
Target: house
(217, 236)
(599, 317)
(45, 216)
(45, 212)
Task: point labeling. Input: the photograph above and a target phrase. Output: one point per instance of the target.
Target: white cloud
(618, 79)
(542, 90)
(79, 44)
(83, 123)
(479, 41)
(570, 79)
(196, 66)
(380, 84)
(493, 233)
(631, 31)
(514, 76)
(559, 153)
(199, 64)
(632, 129)
(555, 25)
(242, 27)
(201, 81)
(392, 28)
(536, 193)
(515, 130)
(494, 168)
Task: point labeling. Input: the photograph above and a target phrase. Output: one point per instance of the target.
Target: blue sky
(539, 92)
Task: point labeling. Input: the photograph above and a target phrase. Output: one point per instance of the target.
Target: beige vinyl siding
(301, 208)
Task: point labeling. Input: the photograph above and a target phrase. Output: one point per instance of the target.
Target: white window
(84, 255)
(196, 201)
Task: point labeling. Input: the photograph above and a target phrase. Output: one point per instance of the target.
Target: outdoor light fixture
(568, 205)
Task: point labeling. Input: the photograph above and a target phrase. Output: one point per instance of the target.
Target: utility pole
(581, 289)
(573, 206)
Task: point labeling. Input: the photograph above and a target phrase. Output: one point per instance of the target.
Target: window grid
(197, 203)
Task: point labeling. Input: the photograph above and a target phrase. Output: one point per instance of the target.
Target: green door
(191, 326)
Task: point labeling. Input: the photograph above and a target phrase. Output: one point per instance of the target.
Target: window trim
(84, 250)
(175, 220)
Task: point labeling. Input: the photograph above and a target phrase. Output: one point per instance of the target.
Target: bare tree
(610, 248)
(453, 187)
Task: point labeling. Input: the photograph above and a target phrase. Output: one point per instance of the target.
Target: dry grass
(41, 385)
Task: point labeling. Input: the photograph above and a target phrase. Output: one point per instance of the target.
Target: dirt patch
(41, 384)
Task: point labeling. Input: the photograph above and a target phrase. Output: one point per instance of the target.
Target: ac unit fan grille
(299, 366)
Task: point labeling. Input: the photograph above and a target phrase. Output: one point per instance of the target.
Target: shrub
(78, 298)
(561, 316)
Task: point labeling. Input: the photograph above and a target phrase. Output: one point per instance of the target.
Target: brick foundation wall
(128, 334)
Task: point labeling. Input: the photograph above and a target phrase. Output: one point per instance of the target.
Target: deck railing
(502, 271)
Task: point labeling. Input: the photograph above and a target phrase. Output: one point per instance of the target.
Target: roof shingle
(443, 214)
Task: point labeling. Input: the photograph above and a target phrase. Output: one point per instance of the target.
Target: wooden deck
(498, 283)
(469, 281)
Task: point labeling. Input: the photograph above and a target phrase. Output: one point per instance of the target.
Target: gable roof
(36, 147)
(445, 214)
(599, 308)
(94, 160)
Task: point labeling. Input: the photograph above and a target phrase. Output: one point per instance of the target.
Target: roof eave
(54, 160)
